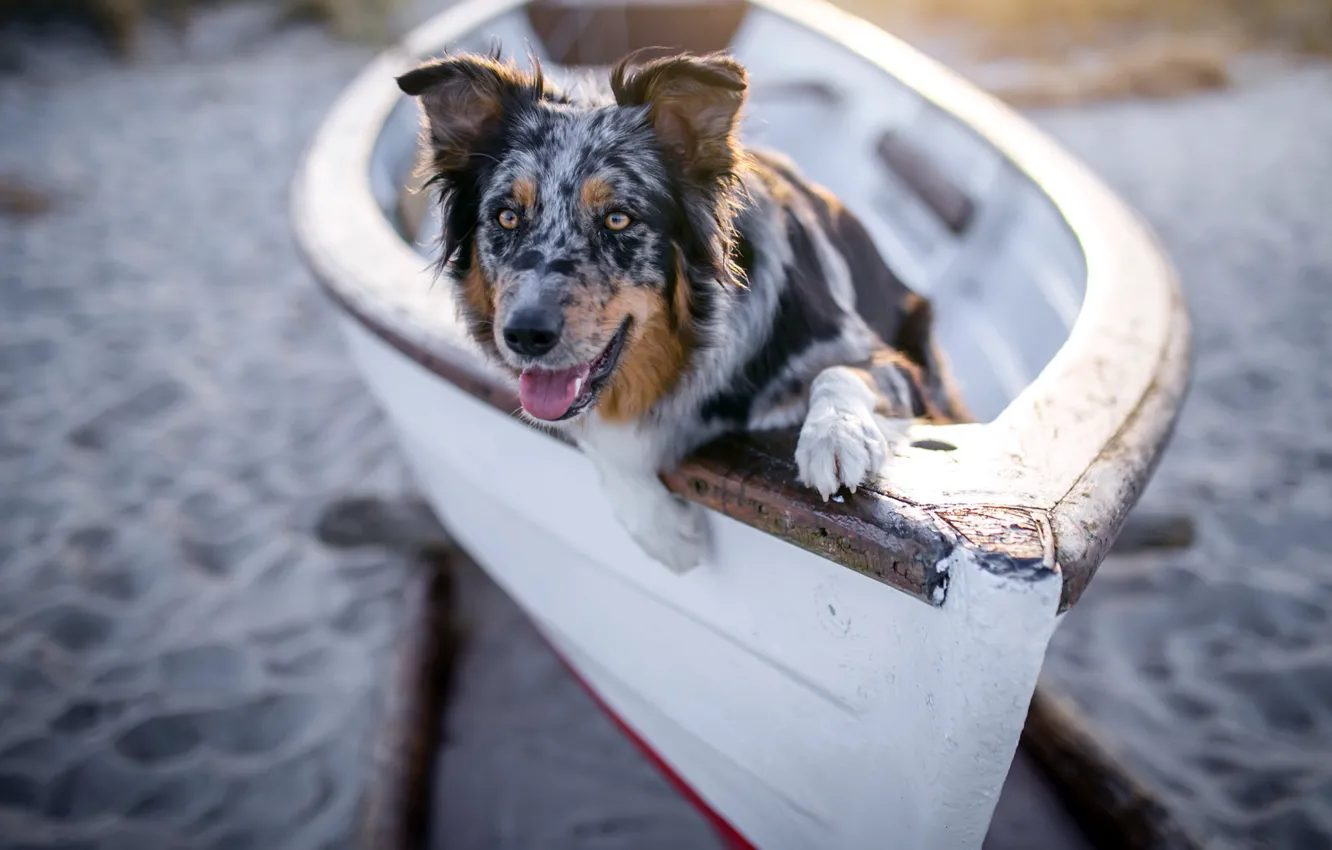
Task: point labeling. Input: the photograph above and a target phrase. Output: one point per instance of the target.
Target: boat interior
(951, 215)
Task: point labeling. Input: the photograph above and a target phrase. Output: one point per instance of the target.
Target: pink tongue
(549, 395)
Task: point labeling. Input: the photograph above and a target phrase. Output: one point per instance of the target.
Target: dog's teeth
(578, 386)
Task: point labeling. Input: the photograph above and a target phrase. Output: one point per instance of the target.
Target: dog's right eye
(508, 219)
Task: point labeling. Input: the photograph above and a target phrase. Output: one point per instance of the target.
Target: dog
(652, 283)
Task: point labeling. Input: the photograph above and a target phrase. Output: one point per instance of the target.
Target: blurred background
(209, 544)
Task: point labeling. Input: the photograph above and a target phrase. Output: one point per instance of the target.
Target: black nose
(532, 331)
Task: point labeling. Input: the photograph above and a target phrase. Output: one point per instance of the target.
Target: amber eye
(508, 219)
(617, 221)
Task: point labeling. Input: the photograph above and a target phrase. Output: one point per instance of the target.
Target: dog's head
(589, 240)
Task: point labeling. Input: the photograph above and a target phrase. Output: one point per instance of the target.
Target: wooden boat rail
(1043, 488)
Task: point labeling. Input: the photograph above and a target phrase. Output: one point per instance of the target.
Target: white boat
(847, 674)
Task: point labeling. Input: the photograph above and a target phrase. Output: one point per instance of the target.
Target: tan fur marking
(478, 295)
(886, 359)
(596, 193)
(525, 192)
(684, 315)
(654, 356)
(881, 405)
(652, 361)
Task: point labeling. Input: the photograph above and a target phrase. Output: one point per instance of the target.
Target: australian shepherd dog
(651, 283)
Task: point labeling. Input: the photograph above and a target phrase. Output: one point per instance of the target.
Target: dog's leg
(840, 443)
(669, 529)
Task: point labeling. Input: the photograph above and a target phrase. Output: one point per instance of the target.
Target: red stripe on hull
(730, 836)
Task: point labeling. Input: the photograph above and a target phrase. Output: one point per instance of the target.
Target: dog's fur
(738, 296)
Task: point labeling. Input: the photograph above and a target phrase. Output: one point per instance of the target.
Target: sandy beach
(176, 411)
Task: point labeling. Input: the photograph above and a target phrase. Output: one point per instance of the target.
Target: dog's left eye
(617, 221)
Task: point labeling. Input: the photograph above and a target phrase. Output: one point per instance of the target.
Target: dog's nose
(532, 331)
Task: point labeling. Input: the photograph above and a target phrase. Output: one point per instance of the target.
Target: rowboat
(852, 673)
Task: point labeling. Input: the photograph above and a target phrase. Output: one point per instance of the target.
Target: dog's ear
(694, 104)
(694, 107)
(464, 98)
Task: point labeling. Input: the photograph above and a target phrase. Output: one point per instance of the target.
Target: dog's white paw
(670, 530)
(838, 448)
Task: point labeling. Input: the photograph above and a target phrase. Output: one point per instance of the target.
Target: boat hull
(808, 704)
(835, 675)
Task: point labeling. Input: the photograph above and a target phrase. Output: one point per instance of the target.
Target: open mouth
(554, 395)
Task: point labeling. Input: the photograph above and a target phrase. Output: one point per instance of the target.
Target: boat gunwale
(1042, 489)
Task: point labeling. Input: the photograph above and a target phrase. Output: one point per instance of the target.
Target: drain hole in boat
(934, 445)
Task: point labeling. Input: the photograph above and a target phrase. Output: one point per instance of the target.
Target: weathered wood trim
(751, 479)
(1114, 809)
(1071, 453)
(1088, 519)
(1016, 542)
(396, 812)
